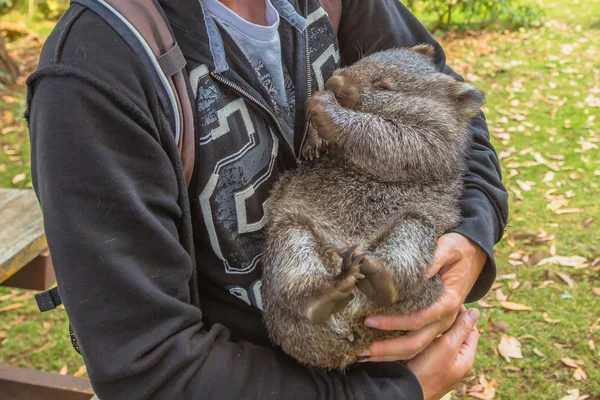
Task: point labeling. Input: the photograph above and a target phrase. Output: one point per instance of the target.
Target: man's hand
(459, 262)
(453, 353)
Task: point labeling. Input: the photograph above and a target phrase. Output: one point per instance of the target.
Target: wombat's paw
(314, 146)
(334, 299)
(378, 284)
(373, 278)
(319, 113)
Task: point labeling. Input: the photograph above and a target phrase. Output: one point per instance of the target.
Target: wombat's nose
(344, 91)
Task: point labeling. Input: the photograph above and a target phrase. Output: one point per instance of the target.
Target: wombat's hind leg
(322, 306)
(378, 284)
(373, 279)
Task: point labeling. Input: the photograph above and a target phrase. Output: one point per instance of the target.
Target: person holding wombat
(110, 199)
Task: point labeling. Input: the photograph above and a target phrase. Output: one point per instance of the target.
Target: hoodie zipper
(308, 88)
(248, 96)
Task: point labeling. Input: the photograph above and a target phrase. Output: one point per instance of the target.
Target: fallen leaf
(484, 304)
(569, 362)
(550, 320)
(514, 306)
(539, 353)
(591, 345)
(596, 291)
(81, 371)
(500, 296)
(525, 185)
(18, 178)
(64, 370)
(579, 375)
(548, 177)
(569, 211)
(12, 307)
(509, 347)
(566, 278)
(573, 261)
(573, 395)
(508, 276)
(485, 390)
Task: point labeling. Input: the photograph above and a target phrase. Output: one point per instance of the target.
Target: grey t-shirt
(262, 47)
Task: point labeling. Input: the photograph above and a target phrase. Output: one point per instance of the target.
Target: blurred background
(539, 65)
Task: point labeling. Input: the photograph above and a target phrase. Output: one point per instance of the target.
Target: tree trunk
(8, 68)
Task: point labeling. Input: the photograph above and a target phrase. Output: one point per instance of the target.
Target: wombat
(352, 233)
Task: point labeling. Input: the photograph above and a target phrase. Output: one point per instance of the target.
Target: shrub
(446, 13)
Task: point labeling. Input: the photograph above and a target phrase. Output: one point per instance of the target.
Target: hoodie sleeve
(109, 198)
(370, 26)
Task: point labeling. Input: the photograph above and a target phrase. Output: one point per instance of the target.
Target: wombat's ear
(469, 98)
(426, 49)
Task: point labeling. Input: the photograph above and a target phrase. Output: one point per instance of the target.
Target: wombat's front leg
(314, 146)
(369, 143)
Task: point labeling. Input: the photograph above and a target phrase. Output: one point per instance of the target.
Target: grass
(543, 92)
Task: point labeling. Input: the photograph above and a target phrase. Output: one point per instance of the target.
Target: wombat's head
(404, 84)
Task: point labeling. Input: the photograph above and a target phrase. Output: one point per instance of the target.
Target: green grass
(526, 75)
(543, 89)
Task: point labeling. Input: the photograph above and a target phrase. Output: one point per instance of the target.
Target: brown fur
(396, 130)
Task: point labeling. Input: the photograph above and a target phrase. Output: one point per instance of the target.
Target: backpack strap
(48, 300)
(333, 8)
(145, 28)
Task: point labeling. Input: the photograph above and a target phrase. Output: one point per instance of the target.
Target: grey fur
(397, 134)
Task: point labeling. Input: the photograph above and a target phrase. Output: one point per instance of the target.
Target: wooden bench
(25, 263)
(24, 258)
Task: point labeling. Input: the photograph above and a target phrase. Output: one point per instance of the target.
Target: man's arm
(109, 198)
(370, 26)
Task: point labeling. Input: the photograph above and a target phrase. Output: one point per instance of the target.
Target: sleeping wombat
(352, 233)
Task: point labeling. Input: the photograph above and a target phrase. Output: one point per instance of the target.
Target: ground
(543, 109)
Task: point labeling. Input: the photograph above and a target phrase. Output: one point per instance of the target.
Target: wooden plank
(21, 230)
(37, 275)
(25, 384)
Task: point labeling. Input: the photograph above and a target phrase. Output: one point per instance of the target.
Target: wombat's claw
(314, 147)
(351, 256)
(378, 284)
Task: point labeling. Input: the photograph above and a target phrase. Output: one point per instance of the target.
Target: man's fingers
(469, 347)
(459, 332)
(467, 352)
(445, 254)
(405, 347)
(410, 322)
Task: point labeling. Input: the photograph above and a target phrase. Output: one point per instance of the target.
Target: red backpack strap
(152, 27)
(333, 8)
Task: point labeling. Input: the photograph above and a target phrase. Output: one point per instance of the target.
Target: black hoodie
(109, 197)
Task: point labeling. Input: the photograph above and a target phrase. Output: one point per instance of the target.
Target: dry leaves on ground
(574, 395)
(81, 371)
(572, 261)
(509, 347)
(11, 307)
(484, 390)
(509, 305)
